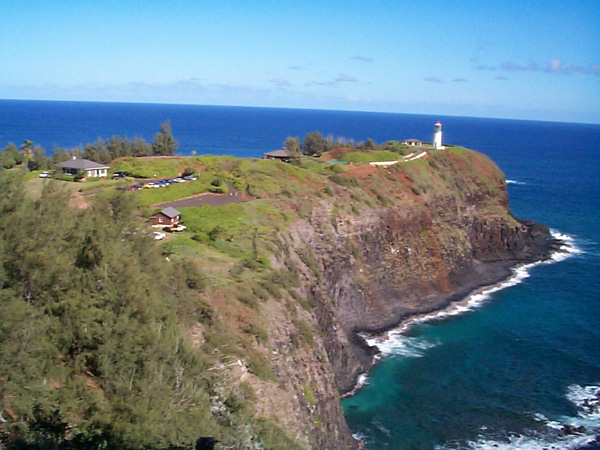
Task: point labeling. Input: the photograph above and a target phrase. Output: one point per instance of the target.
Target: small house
(412, 142)
(91, 168)
(168, 217)
(283, 155)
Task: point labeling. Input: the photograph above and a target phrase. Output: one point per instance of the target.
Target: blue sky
(512, 59)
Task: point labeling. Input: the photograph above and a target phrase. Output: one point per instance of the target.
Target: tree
(27, 147)
(38, 160)
(11, 156)
(292, 145)
(91, 354)
(164, 142)
(369, 145)
(313, 144)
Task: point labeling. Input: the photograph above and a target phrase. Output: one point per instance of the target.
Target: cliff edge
(244, 327)
(440, 228)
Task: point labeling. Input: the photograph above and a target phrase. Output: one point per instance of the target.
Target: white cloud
(555, 65)
(346, 78)
(364, 59)
(342, 78)
(281, 82)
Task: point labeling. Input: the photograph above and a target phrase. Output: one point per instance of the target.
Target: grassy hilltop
(111, 339)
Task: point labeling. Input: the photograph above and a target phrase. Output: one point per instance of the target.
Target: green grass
(148, 168)
(176, 191)
(366, 157)
(88, 186)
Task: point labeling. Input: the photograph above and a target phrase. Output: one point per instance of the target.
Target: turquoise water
(514, 368)
(507, 373)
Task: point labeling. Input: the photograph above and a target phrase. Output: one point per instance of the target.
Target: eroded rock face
(418, 252)
(384, 267)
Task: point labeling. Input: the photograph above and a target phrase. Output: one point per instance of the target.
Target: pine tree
(164, 142)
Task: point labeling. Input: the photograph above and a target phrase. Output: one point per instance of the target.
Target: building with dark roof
(412, 142)
(283, 155)
(168, 217)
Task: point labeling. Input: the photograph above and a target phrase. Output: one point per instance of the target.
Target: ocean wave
(395, 341)
(515, 182)
(519, 442)
(562, 433)
(567, 249)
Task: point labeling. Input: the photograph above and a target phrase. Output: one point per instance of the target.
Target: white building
(91, 168)
(437, 136)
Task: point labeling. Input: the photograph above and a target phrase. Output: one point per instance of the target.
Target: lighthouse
(437, 136)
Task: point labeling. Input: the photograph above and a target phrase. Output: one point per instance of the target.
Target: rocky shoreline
(488, 276)
(483, 274)
(417, 252)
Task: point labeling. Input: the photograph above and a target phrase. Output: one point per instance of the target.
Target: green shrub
(305, 332)
(259, 333)
(343, 180)
(259, 366)
(63, 177)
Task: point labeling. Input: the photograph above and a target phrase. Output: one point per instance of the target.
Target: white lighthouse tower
(437, 136)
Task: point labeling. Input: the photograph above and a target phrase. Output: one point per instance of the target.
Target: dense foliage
(109, 339)
(103, 150)
(93, 347)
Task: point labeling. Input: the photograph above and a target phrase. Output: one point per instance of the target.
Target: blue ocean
(507, 369)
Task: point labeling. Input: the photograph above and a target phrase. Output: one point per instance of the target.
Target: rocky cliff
(244, 327)
(388, 244)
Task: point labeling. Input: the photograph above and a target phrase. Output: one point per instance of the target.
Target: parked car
(118, 175)
(46, 174)
(134, 187)
(178, 180)
(190, 178)
(177, 227)
(158, 235)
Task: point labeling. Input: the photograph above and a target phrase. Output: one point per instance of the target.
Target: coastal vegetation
(102, 151)
(110, 339)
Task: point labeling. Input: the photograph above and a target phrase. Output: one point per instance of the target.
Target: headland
(287, 280)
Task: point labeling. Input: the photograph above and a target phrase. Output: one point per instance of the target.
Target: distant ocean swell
(395, 342)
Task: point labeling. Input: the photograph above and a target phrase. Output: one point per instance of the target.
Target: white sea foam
(395, 342)
(362, 380)
(586, 398)
(523, 443)
(359, 436)
(567, 249)
(515, 182)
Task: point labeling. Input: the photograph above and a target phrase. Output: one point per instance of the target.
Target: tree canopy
(102, 150)
(92, 353)
(313, 144)
(164, 142)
